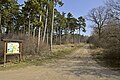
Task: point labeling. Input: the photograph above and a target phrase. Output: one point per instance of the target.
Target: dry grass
(105, 59)
(59, 51)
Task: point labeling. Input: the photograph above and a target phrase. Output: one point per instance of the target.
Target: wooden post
(4, 53)
(20, 51)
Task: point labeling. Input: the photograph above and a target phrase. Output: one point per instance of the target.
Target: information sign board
(12, 47)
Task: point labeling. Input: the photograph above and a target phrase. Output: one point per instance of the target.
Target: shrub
(30, 47)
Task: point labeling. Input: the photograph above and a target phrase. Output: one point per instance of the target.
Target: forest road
(78, 65)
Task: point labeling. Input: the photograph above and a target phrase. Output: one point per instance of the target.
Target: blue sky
(78, 8)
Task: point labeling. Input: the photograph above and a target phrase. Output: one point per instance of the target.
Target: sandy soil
(76, 66)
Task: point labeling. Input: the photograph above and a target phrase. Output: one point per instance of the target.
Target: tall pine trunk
(41, 34)
(29, 26)
(40, 19)
(73, 37)
(47, 36)
(24, 31)
(34, 32)
(46, 21)
(59, 36)
(79, 35)
(56, 39)
(0, 22)
(65, 35)
(51, 35)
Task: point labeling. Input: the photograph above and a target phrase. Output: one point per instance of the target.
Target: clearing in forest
(78, 65)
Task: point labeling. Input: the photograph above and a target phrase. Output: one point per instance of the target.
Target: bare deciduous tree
(98, 16)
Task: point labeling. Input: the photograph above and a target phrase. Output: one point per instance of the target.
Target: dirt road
(76, 66)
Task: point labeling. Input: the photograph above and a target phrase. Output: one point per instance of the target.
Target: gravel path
(76, 66)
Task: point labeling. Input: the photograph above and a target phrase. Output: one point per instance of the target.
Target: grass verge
(59, 51)
(103, 58)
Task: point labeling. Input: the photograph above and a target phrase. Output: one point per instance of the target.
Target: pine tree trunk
(39, 32)
(73, 37)
(46, 20)
(69, 35)
(47, 36)
(65, 35)
(24, 28)
(79, 35)
(29, 27)
(56, 38)
(56, 35)
(0, 22)
(51, 35)
(59, 36)
(34, 32)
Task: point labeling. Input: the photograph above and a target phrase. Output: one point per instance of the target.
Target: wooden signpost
(12, 47)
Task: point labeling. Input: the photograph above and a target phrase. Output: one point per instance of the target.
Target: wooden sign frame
(6, 41)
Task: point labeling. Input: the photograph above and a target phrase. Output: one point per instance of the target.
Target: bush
(30, 47)
(109, 40)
